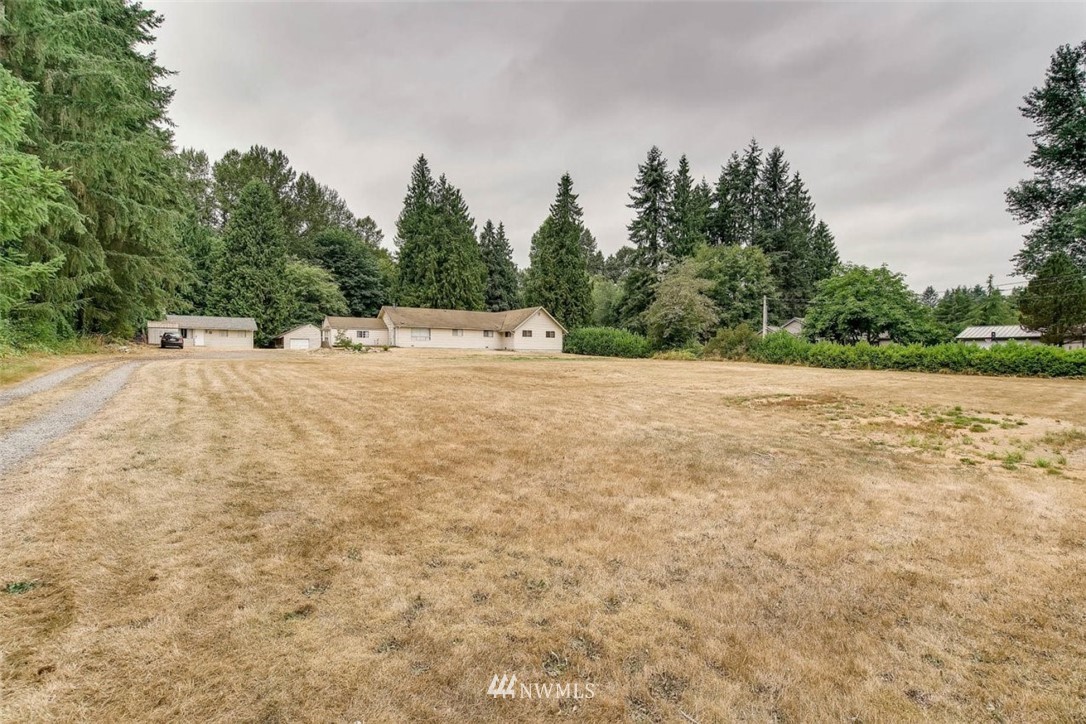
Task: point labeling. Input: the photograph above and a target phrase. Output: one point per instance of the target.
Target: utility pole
(765, 316)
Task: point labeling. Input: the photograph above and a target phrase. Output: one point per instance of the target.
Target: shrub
(782, 348)
(606, 342)
(739, 342)
(1005, 359)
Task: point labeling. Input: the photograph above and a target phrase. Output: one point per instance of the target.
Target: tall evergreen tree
(250, 277)
(32, 195)
(501, 272)
(558, 277)
(651, 200)
(748, 196)
(686, 215)
(101, 114)
(1053, 202)
(1054, 301)
(459, 280)
(414, 229)
(234, 171)
(822, 256)
(727, 214)
(593, 256)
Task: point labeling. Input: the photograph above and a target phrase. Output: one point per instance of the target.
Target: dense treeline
(104, 224)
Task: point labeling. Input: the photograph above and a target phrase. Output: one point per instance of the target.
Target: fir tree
(748, 196)
(650, 200)
(686, 215)
(593, 256)
(459, 280)
(1053, 202)
(929, 297)
(501, 272)
(414, 229)
(822, 257)
(101, 114)
(32, 197)
(726, 216)
(558, 277)
(250, 277)
(1054, 301)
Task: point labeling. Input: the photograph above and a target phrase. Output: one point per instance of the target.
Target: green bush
(1022, 360)
(740, 342)
(606, 342)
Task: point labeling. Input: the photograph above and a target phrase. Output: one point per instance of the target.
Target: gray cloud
(902, 118)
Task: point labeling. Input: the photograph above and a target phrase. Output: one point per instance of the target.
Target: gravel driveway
(23, 442)
(43, 383)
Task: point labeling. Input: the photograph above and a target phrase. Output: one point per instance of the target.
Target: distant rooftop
(1004, 331)
(245, 324)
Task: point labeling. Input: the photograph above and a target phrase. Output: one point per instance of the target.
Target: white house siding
(444, 339)
(538, 324)
(309, 333)
(374, 337)
(155, 332)
(224, 338)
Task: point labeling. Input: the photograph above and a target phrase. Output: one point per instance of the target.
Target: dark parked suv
(169, 339)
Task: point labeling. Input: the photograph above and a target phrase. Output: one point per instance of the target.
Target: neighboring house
(307, 336)
(356, 330)
(531, 329)
(217, 332)
(988, 336)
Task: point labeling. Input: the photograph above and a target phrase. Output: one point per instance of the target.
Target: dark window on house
(526, 333)
(488, 333)
(550, 334)
(184, 334)
(508, 334)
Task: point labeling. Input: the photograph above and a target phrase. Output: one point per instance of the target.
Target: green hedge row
(606, 342)
(1023, 360)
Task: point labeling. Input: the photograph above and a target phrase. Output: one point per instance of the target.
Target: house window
(184, 334)
(210, 332)
(488, 332)
(526, 333)
(508, 334)
(363, 334)
(420, 334)
(550, 334)
(458, 333)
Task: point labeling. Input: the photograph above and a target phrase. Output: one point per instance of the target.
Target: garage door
(299, 344)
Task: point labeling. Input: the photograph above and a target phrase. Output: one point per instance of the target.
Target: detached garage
(197, 331)
(307, 336)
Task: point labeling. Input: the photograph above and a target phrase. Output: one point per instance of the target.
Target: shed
(303, 337)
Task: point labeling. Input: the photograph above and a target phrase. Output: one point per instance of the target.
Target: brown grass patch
(373, 537)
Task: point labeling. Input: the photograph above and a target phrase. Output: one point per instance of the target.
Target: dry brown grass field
(342, 537)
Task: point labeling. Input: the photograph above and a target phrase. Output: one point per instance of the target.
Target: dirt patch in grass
(374, 537)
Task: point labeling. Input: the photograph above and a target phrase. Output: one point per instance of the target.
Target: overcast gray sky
(902, 119)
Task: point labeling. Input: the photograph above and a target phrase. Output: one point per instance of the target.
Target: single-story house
(198, 331)
(986, 336)
(306, 336)
(530, 329)
(793, 326)
(357, 330)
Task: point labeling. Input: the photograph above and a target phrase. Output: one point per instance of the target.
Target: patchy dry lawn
(335, 537)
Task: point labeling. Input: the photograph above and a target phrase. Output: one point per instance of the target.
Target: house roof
(295, 329)
(353, 323)
(1006, 331)
(245, 324)
(460, 319)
